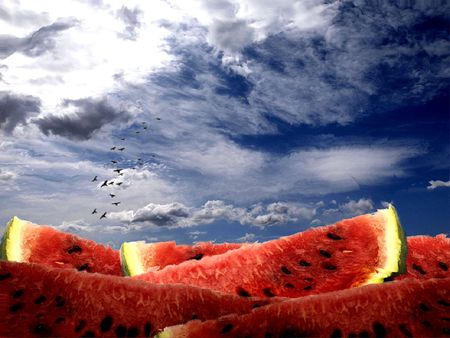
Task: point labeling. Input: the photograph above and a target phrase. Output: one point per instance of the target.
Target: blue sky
(241, 120)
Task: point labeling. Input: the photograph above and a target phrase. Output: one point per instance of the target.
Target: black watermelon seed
(83, 267)
(4, 276)
(426, 323)
(147, 329)
(194, 316)
(254, 306)
(242, 292)
(309, 287)
(81, 325)
(133, 332)
(389, 279)
(197, 256)
(121, 331)
(304, 263)
(419, 269)
(352, 335)
(16, 307)
(446, 331)
(289, 286)
(364, 334)
(379, 330)
(89, 334)
(443, 266)
(329, 266)
(106, 324)
(405, 331)
(447, 319)
(18, 293)
(268, 292)
(333, 236)
(59, 320)
(325, 253)
(443, 302)
(336, 334)
(41, 330)
(40, 299)
(268, 335)
(74, 249)
(424, 307)
(227, 328)
(285, 270)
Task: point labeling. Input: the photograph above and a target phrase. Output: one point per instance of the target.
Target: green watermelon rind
(5, 238)
(404, 246)
(123, 262)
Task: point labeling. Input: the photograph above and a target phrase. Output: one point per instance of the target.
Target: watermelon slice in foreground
(143, 257)
(362, 250)
(428, 257)
(24, 241)
(37, 300)
(408, 308)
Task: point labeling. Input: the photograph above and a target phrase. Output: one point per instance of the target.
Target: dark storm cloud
(131, 20)
(90, 116)
(37, 43)
(14, 109)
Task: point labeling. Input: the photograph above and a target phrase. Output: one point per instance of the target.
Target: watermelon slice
(24, 241)
(408, 308)
(362, 250)
(144, 257)
(428, 257)
(37, 300)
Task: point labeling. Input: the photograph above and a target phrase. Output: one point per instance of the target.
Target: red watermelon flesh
(428, 257)
(408, 308)
(318, 260)
(27, 242)
(37, 300)
(155, 256)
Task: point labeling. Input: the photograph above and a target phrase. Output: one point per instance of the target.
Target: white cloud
(438, 184)
(353, 208)
(178, 215)
(6, 175)
(248, 237)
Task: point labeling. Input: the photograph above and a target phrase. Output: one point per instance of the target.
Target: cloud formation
(15, 109)
(438, 184)
(37, 43)
(178, 215)
(89, 116)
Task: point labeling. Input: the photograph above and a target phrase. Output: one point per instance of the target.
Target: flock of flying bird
(119, 172)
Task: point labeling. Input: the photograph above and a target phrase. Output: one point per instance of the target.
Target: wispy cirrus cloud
(434, 184)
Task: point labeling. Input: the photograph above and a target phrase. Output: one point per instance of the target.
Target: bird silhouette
(119, 183)
(117, 170)
(94, 211)
(94, 179)
(145, 127)
(120, 174)
(123, 139)
(116, 203)
(158, 118)
(113, 148)
(113, 161)
(103, 216)
(112, 195)
(104, 184)
(111, 183)
(121, 149)
(137, 132)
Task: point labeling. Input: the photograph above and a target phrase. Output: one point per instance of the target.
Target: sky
(225, 120)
